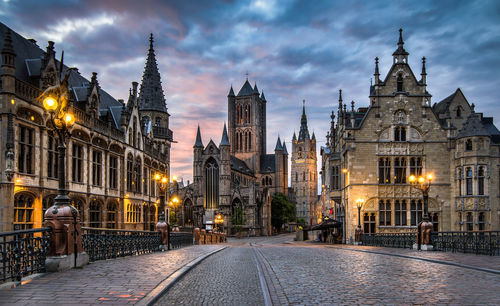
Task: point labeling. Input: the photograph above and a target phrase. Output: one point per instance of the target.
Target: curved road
(275, 271)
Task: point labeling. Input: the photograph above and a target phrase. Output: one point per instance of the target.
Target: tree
(238, 219)
(282, 211)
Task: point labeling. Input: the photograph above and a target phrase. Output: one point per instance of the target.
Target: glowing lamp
(50, 104)
(175, 200)
(174, 178)
(164, 180)
(421, 180)
(412, 178)
(344, 170)
(430, 177)
(69, 119)
(157, 177)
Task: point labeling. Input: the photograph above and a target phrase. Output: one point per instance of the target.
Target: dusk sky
(294, 50)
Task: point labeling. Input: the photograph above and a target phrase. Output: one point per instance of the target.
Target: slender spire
(255, 89)
(313, 136)
(304, 132)
(151, 95)
(400, 42)
(400, 53)
(285, 151)
(377, 73)
(294, 136)
(340, 103)
(278, 147)
(352, 107)
(231, 92)
(262, 97)
(198, 143)
(424, 73)
(225, 140)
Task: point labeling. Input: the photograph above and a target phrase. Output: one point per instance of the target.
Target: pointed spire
(151, 95)
(225, 140)
(340, 103)
(424, 73)
(400, 52)
(262, 97)
(313, 136)
(285, 151)
(400, 42)
(246, 89)
(377, 73)
(304, 132)
(294, 136)
(231, 92)
(352, 107)
(278, 145)
(255, 89)
(198, 143)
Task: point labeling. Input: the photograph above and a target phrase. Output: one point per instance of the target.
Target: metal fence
(109, 243)
(484, 242)
(403, 240)
(23, 252)
(180, 239)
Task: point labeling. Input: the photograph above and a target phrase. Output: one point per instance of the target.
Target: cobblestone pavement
(316, 274)
(117, 281)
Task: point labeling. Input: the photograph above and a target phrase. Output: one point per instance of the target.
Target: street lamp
(219, 220)
(424, 227)
(161, 226)
(359, 230)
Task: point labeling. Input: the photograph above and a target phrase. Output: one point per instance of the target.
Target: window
(157, 121)
(435, 222)
(399, 133)
(384, 212)
(111, 217)
(113, 172)
(400, 83)
(26, 150)
(460, 178)
(468, 145)
(480, 221)
(79, 205)
(336, 178)
(47, 202)
(480, 181)
(145, 180)
(416, 212)
(468, 180)
(384, 170)
(211, 184)
(297, 176)
(52, 158)
(133, 213)
(369, 223)
(95, 214)
(400, 212)
(130, 174)
(96, 168)
(469, 225)
(400, 170)
(77, 163)
(459, 112)
(416, 166)
(23, 211)
(138, 175)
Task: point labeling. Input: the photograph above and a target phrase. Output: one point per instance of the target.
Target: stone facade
(114, 149)
(237, 177)
(371, 152)
(304, 173)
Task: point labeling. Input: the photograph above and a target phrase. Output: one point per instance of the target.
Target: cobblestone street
(312, 274)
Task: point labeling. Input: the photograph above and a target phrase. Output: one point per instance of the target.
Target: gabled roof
(476, 125)
(443, 106)
(246, 89)
(240, 166)
(268, 163)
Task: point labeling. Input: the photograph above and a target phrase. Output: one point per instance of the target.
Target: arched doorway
(188, 212)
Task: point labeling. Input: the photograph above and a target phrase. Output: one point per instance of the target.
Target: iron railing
(102, 243)
(396, 240)
(180, 239)
(484, 242)
(23, 253)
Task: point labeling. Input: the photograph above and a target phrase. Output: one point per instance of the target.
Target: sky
(293, 50)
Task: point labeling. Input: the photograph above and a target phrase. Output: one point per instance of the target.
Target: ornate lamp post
(219, 220)
(62, 217)
(359, 230)
(424, 228)
(161, 226)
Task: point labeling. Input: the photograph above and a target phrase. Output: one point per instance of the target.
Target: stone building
(304, 173)
(371, 151)
(113, 152)
(237, 177)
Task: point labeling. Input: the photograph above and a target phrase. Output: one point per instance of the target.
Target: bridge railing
(480, 242)
(396, 240)
(100, 243)
(180, 239)
(23, 253)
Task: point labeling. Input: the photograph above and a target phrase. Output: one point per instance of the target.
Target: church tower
(247, 124)
(304, 171)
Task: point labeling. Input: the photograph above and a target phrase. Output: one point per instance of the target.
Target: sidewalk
(116, 281)
(459, 259)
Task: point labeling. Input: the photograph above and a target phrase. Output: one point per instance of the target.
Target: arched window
(435, 222)
(460, 178)
(111, 217)
(270, 181)
(384, 170)
(237, 212)
(416, 166)
(23, 211)
(188, 212)
(480, 181)
(400, 212)
(249, 141)
(468, 180)
(95, 214)
(400, 82)
(211, 184)
(130, 173)
(468, 145)
(138, 175)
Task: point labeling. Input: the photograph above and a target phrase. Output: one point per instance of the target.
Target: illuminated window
(23, 211)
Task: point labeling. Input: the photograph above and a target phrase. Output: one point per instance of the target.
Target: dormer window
(400, 83)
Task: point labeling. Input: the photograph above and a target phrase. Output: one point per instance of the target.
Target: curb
(161, 288)
(437, 261)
